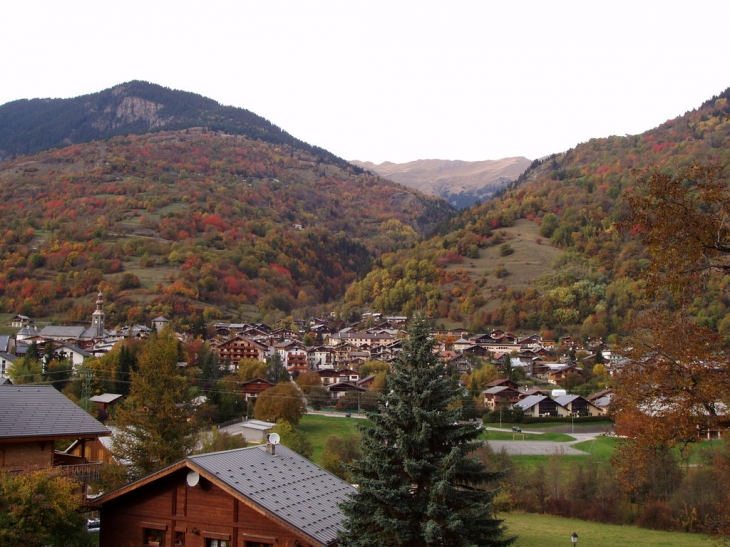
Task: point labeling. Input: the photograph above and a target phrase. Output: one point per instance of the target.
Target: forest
(193, 223)
(200, 223)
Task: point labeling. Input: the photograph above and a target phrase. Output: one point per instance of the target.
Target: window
(179, 539)
(217, 543)
(154, 538)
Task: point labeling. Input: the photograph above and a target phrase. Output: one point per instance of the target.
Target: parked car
(516, 429)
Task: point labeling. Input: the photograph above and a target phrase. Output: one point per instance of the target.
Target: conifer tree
(154, 423)
(418, 486)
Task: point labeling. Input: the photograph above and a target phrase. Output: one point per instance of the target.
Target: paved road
(541, 448)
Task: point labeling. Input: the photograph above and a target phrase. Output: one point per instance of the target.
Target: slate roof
(62, 332)
(30, 411)
(298, 493)
(532, 400)
(286, 484)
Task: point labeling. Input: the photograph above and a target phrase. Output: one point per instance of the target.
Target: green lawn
(509, 435)
(548, 531)
(317, 428)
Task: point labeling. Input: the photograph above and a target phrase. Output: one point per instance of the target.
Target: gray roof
(4, 343)
(62, 332)
(286, 484)
(43, 411)
(258, 424)
(532, 400)
(105, 398)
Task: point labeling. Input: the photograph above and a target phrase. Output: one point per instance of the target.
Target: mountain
(546, 253)
(193, 223)
(461, 183)
(29, 126)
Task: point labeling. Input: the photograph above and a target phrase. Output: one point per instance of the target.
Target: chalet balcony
(76, 467)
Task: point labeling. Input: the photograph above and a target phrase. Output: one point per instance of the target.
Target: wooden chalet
(502, 382)
(251, 389)
(261, 496)
(33, 419)
(233, 350)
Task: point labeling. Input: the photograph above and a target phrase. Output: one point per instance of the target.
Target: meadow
(547, 531)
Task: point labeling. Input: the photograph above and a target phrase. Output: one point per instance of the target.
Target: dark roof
(285, 484)
(42, 411)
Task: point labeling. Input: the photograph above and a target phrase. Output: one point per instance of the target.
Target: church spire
(97, 318)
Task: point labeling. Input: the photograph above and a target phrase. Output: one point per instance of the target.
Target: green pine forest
(198, 221)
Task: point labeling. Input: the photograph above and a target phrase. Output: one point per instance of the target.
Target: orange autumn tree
(675, 382)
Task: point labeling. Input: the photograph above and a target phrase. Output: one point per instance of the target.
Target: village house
(261, 496)
(536, 406)
(34, 418)
(251, 389)
(233, 350)
(500, 397)
(575, 405)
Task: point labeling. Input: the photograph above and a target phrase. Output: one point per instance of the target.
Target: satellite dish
(274, 438)
(193, 478)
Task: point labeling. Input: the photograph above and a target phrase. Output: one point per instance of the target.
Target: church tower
(97, 318)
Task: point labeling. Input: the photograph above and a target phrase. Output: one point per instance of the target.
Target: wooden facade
(250, 497)
(175, 514)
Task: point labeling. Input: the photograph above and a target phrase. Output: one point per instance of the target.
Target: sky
(390, 80)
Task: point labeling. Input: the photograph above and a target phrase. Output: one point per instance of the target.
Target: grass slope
(542, 531)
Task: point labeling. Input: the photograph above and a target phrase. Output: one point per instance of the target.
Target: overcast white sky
(390, 80)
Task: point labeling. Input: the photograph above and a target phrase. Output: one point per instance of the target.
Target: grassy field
(509, 435)
(527, 262)
(317, 428)
(548, 531)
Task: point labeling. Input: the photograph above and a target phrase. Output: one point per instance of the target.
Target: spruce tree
(418, 486)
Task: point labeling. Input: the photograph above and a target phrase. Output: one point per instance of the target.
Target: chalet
(255, 387)
(320, 357)
(333, 376)
(33, 419)
(73, 353)
(358, 339)
(577, 406)
(19, 321)
(538, 405)
(461, 344)
(502, 382)
(602, 399)
(259, 496)
(482, 339)
(339, 389)
(476, 349)
(233, 350)
(558, 374)
(500, 397)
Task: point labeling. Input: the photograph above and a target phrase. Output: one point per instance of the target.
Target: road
(541, 448)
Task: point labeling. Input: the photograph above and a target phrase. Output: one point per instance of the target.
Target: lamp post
(574, 539)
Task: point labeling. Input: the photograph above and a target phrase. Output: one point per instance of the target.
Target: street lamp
(574, 539)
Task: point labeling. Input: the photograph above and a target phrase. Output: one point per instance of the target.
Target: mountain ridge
(135, 107)
(461, 183)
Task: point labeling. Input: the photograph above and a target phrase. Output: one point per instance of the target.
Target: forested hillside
(29, 126)
(570, 202)
(193, 224)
